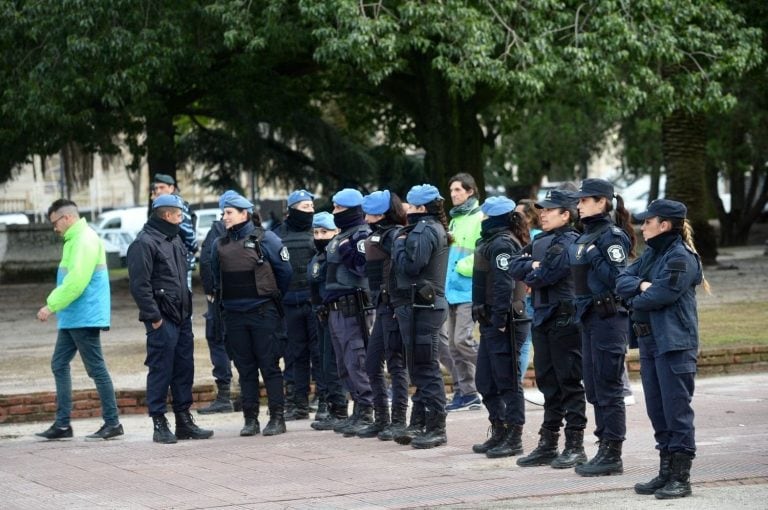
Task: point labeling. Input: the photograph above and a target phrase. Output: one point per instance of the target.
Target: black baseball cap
(663, 208)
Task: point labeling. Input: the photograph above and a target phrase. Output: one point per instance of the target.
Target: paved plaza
(309, 469)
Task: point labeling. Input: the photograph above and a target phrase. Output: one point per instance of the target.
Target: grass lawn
(734, 324)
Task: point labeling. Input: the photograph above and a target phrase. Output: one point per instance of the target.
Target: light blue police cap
(377, 202)
(300, 195)
(235, 200)
(422, 194)
(224, 196)
(496, 206)
(348, 197)
(170, 200)
(323, 220)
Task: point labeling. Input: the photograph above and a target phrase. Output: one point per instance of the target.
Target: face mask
(321, 244)
(299, 220)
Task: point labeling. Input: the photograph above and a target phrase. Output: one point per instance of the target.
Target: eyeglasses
(54, 222)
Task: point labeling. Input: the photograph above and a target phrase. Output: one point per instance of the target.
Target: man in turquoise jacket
(458, 330)
(81, 300)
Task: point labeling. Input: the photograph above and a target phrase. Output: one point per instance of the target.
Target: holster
(641, 328)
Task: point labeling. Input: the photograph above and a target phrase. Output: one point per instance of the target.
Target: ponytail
(684, 228)
(624, 221)
(436, 208)
(518, 225)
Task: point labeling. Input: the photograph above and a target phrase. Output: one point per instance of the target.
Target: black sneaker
(55, 432)
(106, 432)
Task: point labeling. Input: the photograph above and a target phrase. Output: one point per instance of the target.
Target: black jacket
(157, 272)
(206, 272)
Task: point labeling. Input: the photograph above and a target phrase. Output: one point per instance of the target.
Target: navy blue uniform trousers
(603, 347)
(170, 359)
(349, 347)
(302, 334)
(214, 335)
(386, 344)
(497, 377)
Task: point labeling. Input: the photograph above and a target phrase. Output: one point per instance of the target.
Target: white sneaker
(534, 396)
(629, 400)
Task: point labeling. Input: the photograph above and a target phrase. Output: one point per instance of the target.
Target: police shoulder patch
(316, 269)
(616, 253)
(361, 246)
(502, 261)
(617, 230)
(284, 255)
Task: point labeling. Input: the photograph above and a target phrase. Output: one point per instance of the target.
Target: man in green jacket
(81, 300)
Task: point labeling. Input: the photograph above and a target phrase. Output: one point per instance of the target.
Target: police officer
(251, 270)
(157, 270)
(346, 287)
(385, 214)
(164, 184)
(597, 257)
(498, 305)
(545, 268)
(333, 394)
(660, 288)
(214, 327)
(301, 328)
(421, 259)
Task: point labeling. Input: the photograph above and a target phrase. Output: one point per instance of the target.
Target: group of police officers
(341, 295)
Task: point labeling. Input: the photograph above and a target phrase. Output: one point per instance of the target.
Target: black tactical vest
(434, 272)
(301, 248)
(543, 247)
(245, 272)
(482, 277)
(338, 276)
(378, 262)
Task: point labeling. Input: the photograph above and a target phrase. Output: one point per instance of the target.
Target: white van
(14, 219)
(129, 220)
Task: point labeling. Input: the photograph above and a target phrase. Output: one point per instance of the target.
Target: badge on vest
(375, 238)
(315, 270)
(284, 255)
(616, 253)
(361, 246)
(502, 261)
(250, 244)
(580, 251)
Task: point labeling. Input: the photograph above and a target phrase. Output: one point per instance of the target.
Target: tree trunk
(161, 145)
(446, 126)
(683, 146)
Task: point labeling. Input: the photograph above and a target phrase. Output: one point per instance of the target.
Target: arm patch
(676, 267)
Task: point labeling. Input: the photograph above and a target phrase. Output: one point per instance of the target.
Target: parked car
(129, 220)
(117, 240)
(14, 219)
(636, 194)
(205, 218)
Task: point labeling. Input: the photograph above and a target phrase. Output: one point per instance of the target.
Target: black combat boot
(290, 395)
(415, 428)
(511, 445)
(342, 425)
(322, 409)
(679, 484)
(162, 433)
(252, 426)
(396, 426)
(336, 413)
(606, 462)
(434, 433)
(364, 420)
(648, 488)
(276, 423)
(497, 432)
(544, 453)
(299, 410)
(222, 403)
(187, 429)
(573, 453)
(380, 423)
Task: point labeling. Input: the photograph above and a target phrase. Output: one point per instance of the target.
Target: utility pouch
(423, 349)
(562, 321)
(641, 329)
(169, 306)
(605, 305)
(424, 295)
(348, 306)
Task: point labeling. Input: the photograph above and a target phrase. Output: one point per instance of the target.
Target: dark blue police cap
(165, 179)
(594, 188)
(663, 209)
(556, 198)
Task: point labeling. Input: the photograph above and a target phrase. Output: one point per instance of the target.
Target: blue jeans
(525, 350)
(86, 341)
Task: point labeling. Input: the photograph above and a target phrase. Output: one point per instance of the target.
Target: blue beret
(165, 179)
(300, 195)
(235, 200)
(556, 198)
(496, 206)
(323, 220)
(594, 188)
(224, 196)
(169, 200)
(377, 202)
(664, 209)
(422, 194)
(348, 197)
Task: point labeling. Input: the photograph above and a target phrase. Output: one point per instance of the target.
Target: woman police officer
(251, 269)
(421, 259)
(660, 289)
(596, 258)
(498, 305)
(545, 268)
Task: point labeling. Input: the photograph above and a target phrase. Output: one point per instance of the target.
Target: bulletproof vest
(561, 290)
(338, 276)
(580, 265)
(245, 272)
(301, 248)
(434, 272)
(378, 263)
(482, 277)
